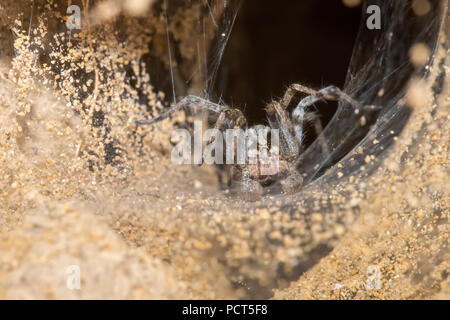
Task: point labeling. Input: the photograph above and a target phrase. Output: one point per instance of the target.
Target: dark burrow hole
(277, 43)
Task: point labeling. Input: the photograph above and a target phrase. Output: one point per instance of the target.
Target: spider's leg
(300, 115)
(292, 131)
(187, 102)
(235, 119)
(297, 88)
(290, 147)
(331, 93)
(224, 115)
(288, 96)
(328, 93)
(239, 119)
(279, 119)
(220, 120)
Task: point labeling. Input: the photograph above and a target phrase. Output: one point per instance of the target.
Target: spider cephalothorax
(291, 134)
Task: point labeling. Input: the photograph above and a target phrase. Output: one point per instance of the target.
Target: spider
(290, 126)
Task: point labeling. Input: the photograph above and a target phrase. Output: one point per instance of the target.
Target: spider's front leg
(331, 93)
(289, 142)
(235, 119)
(187, 102)
(226, 117)
(294, 181)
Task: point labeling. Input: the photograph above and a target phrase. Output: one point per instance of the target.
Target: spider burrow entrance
(286, 125)
(301, 113)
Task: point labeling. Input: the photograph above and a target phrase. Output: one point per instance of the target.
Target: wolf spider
(291, 132)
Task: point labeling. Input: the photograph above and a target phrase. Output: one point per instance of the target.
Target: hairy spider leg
(331, 93)
(237, 121)
(187, 102)
(278, 119)
(290, 146)
(292, 132)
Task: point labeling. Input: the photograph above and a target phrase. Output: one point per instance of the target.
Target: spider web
(378, 75)
(229, 14)
(213, 30)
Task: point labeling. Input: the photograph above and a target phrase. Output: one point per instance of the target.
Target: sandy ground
(144, 228)
(169, 233)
